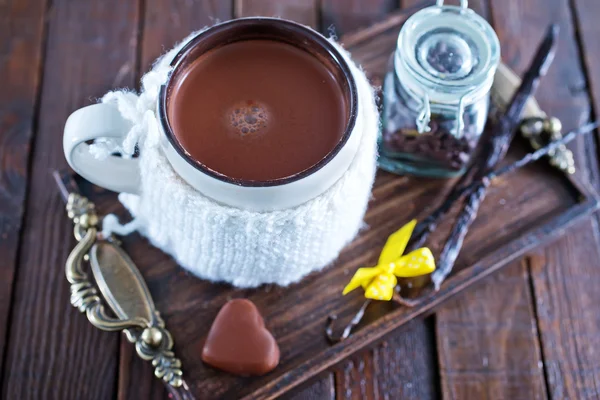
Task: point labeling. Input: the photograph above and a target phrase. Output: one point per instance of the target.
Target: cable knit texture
(221, 243)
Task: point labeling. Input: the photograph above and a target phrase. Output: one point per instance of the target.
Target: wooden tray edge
(496, 260)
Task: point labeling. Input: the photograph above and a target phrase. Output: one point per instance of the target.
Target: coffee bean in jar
(436, 92)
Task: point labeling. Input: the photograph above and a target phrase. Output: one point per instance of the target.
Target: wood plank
(587, 30)
(458, 355)
(54, 352)
(21, 48)
(302, 11)
(403, 366)
(576, 375)
(488, 342)
(165, 23)
(563, 94)
(136, 377)
(565, 280)
(586, 15)
(341, 16)
(375, 45)
(322, 389)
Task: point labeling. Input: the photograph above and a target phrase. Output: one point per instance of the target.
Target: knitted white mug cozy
(222, 243)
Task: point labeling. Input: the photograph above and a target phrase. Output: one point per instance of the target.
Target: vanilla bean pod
(544, 151)
(493, 151)
(347, 331)
(530, 157)
(526, 160)
(544, 57)
(430, 223)
(348, 328)
(508, 122)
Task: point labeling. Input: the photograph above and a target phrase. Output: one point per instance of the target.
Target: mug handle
(93, 122)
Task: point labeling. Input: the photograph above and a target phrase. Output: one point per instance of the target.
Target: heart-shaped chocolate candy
(238, 341)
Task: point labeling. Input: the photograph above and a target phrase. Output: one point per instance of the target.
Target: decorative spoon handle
(119, 284)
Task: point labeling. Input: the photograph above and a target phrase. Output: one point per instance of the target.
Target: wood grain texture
(54, 352)
(565, 280)
(342, 16)
(586, 23)
(21, 30)
(136, 377)
(575, 372)
(303, 11)
(403, 366)
(375, 44)
(322, 389)
(167, 22)
(563, 94)
(488, 341)
(585, 14)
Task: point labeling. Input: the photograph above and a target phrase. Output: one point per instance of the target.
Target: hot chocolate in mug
(277, 47)
(265, 143)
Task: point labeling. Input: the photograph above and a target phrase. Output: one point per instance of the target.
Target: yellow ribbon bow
(379, 281)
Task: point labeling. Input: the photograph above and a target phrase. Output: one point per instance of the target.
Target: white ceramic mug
(122, 175)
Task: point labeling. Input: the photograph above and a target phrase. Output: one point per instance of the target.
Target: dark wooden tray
(521, 211)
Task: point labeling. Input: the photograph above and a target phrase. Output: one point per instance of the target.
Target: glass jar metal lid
(448, 52)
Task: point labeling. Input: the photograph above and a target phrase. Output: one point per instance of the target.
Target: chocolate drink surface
(257, 110)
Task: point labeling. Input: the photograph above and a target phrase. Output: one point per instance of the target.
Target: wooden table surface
(531, 331)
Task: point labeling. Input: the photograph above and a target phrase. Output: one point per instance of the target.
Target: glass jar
(436, 92)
